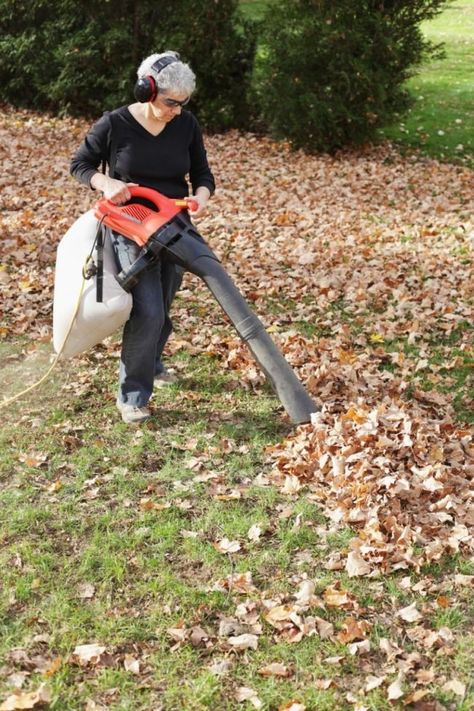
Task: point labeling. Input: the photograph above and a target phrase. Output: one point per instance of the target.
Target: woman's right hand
(114, 190)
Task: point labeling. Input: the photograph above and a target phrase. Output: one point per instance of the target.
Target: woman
(155, 143)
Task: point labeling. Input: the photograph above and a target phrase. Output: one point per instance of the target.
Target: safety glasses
(173, 103)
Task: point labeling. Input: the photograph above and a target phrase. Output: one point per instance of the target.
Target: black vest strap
(100, 265)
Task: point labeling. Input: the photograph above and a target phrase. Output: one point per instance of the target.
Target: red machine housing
(136, 221)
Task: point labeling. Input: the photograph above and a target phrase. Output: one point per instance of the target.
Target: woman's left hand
(200, 200)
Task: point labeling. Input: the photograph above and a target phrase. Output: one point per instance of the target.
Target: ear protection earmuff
(146, 88)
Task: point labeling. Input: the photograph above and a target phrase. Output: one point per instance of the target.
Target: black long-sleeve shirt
(160, 162)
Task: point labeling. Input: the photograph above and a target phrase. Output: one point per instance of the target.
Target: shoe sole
(132, 421)
(136, 422)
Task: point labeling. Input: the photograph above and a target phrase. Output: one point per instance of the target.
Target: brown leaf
(325, 628)
(131, 664)
(280, 613)
(359, 647)
(275, 669)
(27, 700)
(336, 597)
(238, 583)
(353, 630)
(178, 633)
(324, 684)
(456, 686)
(395, 690)
(293, 705)
(147, 504)
(85, 591)
(85, 654)
(356, 565)
(254, 533)
(410, 613)
(17, 679)
(227, 546)
(244, 693)
(54, 667)
(373, 682)
(244, 641)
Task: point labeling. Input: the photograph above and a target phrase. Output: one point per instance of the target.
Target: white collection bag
(94, 320)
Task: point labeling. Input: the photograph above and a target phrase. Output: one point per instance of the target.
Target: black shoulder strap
(102, 233)
(111, 146)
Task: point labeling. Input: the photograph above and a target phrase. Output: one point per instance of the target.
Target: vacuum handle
(161, 202)
(188, 203)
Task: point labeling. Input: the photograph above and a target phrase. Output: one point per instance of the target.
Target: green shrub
(220, 46)
(329, 73)
(81, 58)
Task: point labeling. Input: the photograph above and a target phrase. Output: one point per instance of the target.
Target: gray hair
(177, 76)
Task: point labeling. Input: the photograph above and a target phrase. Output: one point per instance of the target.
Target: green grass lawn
(441, 122)
(107, 537)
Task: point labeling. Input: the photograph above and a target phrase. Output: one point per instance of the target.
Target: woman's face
(168, 104)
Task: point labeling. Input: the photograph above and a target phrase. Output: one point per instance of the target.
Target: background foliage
(330, 73)
(318, 73)
(80, 58)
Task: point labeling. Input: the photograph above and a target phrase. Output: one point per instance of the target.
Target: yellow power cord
(9, 401)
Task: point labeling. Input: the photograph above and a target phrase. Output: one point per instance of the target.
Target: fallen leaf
(190, 534)
(395, 690)
(325, 628)
(324, 684)
(291, 486)
(356, 565)
(243, 693)
(227, 546)
(27, 700)
(333, 661)
(238, 583)
(292, 706)
(456, 686)
(373, 682)
(131, 664)
(94, 706)
(244, 641)
(220, 667)
(305, 595)
(254, 533)
(86, 591)
(335, 597)
(275, 669)
(359, 647)
(410, 613)
(54, 667)
(17, 679)
(147, 504)
(88, 654)
(178, 633)
(353, 630)
(279, 613)
(460, 579)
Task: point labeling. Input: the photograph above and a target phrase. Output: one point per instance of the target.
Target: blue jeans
(149, 325)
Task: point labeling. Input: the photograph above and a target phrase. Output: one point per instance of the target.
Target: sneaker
(165, 377)
(132, 414)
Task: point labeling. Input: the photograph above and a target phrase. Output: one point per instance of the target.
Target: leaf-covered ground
(361, 267)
